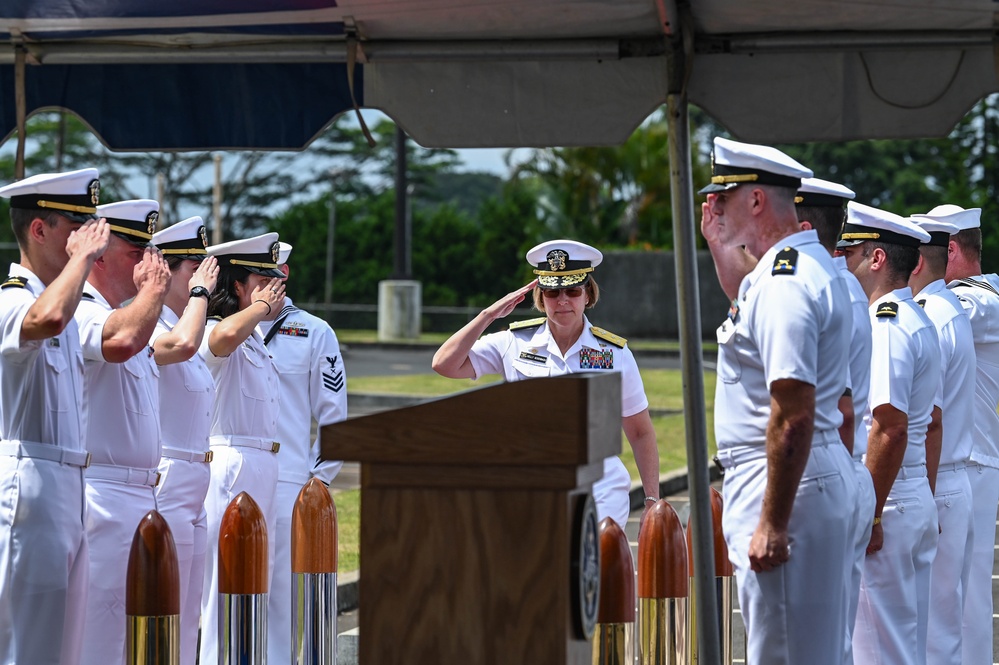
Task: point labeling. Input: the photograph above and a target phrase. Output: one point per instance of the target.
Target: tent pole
(692, 369)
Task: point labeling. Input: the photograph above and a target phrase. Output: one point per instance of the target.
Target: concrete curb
(670, 483)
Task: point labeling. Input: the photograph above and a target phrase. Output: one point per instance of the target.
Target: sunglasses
(572, 292)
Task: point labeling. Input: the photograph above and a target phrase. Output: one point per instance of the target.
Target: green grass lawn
(663, 387)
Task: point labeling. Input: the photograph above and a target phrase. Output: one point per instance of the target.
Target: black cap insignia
(94, 189)
(887, 310)
(786, 262)
(203, 236)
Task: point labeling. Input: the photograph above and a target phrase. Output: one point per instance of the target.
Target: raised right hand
(271, 292)
(90, 240)
(152, 271)
(507, 303)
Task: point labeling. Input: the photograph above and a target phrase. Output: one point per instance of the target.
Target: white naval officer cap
(563, 263)
(74, 194)
(185, 239)
(284, 251)
(940, 231)
(816, 192)
(734, 163)
(134, 220)
(961, 218)
(258, 254)
(865, 223)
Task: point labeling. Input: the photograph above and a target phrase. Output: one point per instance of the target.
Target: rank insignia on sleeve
(887, 310)
(533, 357)
(14, 282)
(333, 376)
(786, 262)
(596, 359)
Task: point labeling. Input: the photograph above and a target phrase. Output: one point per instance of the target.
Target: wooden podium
(478, 535)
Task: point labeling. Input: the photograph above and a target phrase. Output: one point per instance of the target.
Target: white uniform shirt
(187, 392)
(313, 386)
(41, 381)
(122, 405)
(859, 379)
(786, 323)
(905, 367)
(532, 352)
(247, 399)
(957, 368)
(980, 298)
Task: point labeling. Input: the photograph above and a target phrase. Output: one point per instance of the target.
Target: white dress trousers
(976, 644)
(863, 522)
(894, 593)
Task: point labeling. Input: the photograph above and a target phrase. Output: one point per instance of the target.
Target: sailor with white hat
(563, 342)
(313, 386)
(785, 338)
(122, 411)
(187, 393)
(978, 294)
(821, 205)
(951, 490)
(244, 435)
(43, 543)
(882, 249)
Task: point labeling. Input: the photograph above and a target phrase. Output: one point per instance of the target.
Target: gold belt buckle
(275, 446)
(157, 483)
(209, 456)
(86, 464)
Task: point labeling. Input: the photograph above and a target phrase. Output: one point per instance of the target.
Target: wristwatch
(200, 291)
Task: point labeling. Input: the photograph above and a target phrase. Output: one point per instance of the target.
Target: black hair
(970, 243)
(21, 218)
(224, 301)
(826, 220)
(901, 260)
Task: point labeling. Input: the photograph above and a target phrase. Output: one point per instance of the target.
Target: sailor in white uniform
(821, 205)
(43, 545)
(882, 249)
(953, 442)
(187, 392)
(122, 412)
(782, 369)
(563, 342)
(313, 388)
(243, 440)
(979, 295)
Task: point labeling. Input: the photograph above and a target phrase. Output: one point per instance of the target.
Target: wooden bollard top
(313, 530)
(662, 554)
(723, 566)
(617, 575)
(243, 548)
(152, 580)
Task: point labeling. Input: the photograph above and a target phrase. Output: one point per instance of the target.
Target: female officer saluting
(563, 342)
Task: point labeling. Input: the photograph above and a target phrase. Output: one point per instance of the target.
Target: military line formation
(146, 382)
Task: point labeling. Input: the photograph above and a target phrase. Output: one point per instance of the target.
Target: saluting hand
(271, 292)
(207, 274)
(90, 240)
(152, 271)
(507, 303)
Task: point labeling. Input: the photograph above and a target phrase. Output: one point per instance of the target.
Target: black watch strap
(200, 291)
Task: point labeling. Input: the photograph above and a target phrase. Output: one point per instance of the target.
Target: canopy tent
(270, 74)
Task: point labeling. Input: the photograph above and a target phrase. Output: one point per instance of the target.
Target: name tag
(533, 357)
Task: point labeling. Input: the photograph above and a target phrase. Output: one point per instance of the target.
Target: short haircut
(935, 258)
(901, 260)
(969, 241)
(591, 288)
(21, 218)
(826, 220)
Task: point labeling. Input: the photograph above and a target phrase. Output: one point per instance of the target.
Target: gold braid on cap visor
(551, 279)
(130, 232)
(252, 264)
(860, 236)
(66, 206)
(725, 179)
(193, 250)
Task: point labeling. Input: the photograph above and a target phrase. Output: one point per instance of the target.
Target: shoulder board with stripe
(14, 282)
(215, 318)
(530, 323)
(979, 283)
(607, 336)
(88, 296)
(786, 262)
(887, 310)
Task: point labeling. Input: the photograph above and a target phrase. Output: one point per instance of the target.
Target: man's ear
(920, 264)
(805, 225)
(38, 230)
